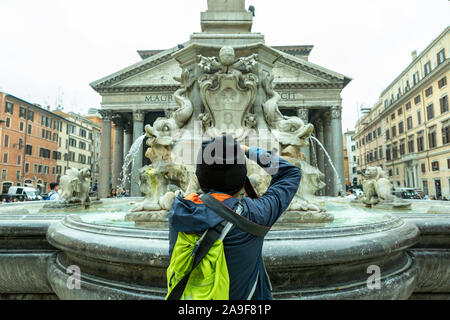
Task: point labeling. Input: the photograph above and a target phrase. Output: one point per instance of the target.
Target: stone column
(328, 144)
(104, 184)
(338, 147)
(118, 150)
(319, 152)
(303, 113)
(138, 130)
(128, 142)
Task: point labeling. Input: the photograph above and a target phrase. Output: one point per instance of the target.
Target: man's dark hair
(53, 185)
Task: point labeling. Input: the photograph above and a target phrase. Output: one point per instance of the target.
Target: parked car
(358, 192)
(406, 193)
(23, 192)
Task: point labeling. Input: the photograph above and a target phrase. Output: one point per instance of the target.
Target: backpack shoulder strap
(229, 215)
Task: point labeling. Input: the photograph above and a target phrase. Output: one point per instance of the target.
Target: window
(442, 83)
(401, 127)
(27, 167)
(435, 166)
(446, 132)
(411, 145)
(388, 153)
(402, 147)
(429, 92)
(380, 152)
(30, 116)
(22, 112)
(44, 153)
(55, 137)
(409, 123)
(408, 106)
(448, 164)
(4, 174)
(444, 104)
(395, 152)
(8, 122)
(21, 126)
(423, 168)
(427, 68)
(417, 100)
(28, 150)
(6, 143)
(9, 108)
(5, 158)
(387, 135)
(72, 142)
(379, 131)
(425, 186)
(441, 56)
(393, 116)
(83, 133)
(430, 112)
(17, 175)
(420, 143)
(82, 145)
(29, 129)
(400, 111)
(394, 131)
(432, 138)
(415, 78)
(419, 117)
(19, 159)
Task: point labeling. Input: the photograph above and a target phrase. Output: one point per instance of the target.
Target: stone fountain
(237, 97)
(225, 85)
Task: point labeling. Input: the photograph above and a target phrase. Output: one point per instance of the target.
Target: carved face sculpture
(227, 56)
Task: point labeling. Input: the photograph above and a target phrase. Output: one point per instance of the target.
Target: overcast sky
(50, 50)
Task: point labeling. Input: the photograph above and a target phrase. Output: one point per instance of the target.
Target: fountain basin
(324, 263)
(312, 261)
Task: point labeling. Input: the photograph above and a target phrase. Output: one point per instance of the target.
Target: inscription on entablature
(289, 96)
(159, 98)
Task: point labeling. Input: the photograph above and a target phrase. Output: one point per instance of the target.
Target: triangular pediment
(159, 69)
(291, 69)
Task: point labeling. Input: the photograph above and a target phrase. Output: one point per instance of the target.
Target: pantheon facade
(139, 94)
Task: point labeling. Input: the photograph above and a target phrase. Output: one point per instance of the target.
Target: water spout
(125, 176)
(339, 184)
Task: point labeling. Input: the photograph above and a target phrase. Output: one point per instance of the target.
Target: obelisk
(226, 16)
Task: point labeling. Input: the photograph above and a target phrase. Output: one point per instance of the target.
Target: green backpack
(198, 268)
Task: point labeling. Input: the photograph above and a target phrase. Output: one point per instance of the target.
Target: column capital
(336, 112)
(107, 115)
(303, 113)
(139, 116)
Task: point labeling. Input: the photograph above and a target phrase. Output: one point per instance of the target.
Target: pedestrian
(112, 194)
(223, 179)
(351, 195)
(53, 195)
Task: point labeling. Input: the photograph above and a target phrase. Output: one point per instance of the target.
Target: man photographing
(222, 174)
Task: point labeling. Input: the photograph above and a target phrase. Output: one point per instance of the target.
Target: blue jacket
(243, 251)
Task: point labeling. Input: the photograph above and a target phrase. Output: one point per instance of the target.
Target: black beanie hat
(221, 166)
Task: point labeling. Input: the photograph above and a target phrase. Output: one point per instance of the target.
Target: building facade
(407, 132)
(29, 139)
(78, 146)
(139, 94)
(351, 175)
